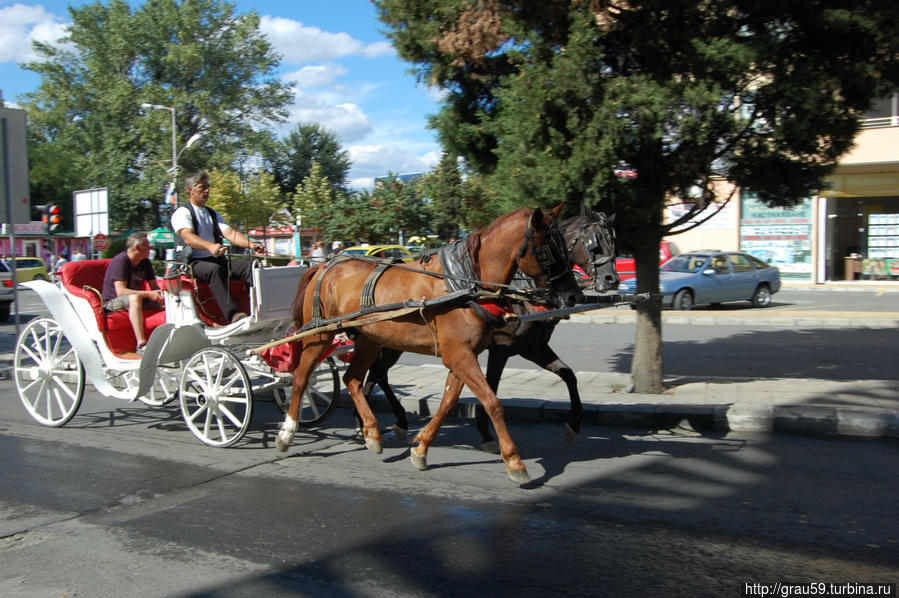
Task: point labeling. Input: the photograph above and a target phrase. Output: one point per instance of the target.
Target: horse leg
(497, 357)
(309, 357)
(387, 358)
(364, 356)
(465, 367)
(545, 357)
(451, 391)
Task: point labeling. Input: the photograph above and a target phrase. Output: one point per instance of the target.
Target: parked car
(6, 291)
(381, 251)
(29, 268)
(626, 267)
(713, 276)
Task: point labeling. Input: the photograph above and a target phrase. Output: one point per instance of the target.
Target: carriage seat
(207, 307)
(85, 279)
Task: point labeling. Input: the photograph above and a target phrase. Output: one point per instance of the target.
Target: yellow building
(848, 231)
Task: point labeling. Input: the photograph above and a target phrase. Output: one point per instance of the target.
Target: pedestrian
(59, 263)
(123, 285)
(318, 252)
(78, 256)
(202, 231)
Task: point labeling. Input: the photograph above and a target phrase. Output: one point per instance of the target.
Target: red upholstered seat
(207, 308)
(85, 279)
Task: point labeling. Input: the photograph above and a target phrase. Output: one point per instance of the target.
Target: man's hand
(258, 248)
(155, 296)
(218, 249)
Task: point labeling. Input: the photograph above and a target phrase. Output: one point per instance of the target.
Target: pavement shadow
(819, 353)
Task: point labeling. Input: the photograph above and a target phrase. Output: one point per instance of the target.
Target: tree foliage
(214, 67)
(291, 158)
(548, 99)
(254, 205)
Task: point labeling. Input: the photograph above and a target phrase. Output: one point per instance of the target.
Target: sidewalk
(857, 408)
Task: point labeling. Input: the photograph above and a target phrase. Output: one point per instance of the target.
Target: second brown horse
(523, 239)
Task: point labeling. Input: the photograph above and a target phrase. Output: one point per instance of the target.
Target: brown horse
(524, 239)
(590, 240)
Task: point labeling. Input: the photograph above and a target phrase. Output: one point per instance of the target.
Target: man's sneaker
(238, 317)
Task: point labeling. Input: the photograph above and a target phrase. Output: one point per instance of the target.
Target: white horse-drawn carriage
(192, 353)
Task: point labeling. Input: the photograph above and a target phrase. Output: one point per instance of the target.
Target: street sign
(101, 242)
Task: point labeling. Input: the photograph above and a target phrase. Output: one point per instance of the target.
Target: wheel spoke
(227, 413)
(37, 360)
(195, 414)
(64, 386)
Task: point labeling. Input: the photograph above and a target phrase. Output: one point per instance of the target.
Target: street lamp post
(175, 153)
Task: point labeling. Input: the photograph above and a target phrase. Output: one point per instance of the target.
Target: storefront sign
(779, 236)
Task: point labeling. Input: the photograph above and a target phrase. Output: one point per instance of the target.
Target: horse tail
(301, 293)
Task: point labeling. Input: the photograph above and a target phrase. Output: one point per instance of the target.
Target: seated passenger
(123, 285)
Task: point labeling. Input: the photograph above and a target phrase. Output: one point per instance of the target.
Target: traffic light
(54, 219)
(44, 210)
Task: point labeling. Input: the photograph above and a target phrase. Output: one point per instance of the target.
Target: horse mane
(473, 244)
(297, 308)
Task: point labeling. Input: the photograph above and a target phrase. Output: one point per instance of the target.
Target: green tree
(444, 188)
(213, 67)
(291, 158)
(314, 199)
(399, 210)
(254, 205)
(549, 98)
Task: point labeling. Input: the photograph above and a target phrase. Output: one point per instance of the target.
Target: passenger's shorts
(120, 303)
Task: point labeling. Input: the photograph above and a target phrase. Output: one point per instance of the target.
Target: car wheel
(683, 300)
(39, 277)
(762, 296)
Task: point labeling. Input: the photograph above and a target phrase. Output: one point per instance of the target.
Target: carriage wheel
(216, 397)
(164, 389)
(49, 375)
(320, 398)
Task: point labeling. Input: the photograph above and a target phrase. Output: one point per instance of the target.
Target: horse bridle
(594, 243)
(552, 256)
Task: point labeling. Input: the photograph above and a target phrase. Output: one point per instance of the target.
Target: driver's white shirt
(181, 219)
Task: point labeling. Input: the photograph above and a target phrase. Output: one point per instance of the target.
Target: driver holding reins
(201, 231)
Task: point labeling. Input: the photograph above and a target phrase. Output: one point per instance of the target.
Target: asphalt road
(124, 502)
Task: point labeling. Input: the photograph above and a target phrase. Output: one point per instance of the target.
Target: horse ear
(611, 219)
(557, 211)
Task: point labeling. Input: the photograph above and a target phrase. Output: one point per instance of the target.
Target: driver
(202, 229)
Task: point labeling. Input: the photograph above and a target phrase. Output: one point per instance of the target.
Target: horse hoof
(373, 445)
(491, 446)
(399, 432)
(281, 444)
(519, 476)
(420, 461)
(570, 434)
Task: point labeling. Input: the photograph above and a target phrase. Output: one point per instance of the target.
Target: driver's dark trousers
(214, 272)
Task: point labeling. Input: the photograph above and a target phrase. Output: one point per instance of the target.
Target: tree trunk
(647, 369)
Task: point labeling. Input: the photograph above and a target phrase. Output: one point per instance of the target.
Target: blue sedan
(713, 277)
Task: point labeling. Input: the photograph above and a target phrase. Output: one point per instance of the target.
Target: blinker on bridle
(550, 255)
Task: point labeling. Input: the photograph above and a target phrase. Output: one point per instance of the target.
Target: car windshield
(354, 251)
(686, 262)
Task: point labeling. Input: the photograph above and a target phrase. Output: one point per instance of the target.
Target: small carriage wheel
(164, 389)
(49, 375)
(320, 398)
(216, 397)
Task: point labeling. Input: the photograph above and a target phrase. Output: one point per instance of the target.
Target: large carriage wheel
(49, 375)
(216, 397)
(320, 398)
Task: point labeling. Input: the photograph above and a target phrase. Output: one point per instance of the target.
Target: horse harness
(595, 243)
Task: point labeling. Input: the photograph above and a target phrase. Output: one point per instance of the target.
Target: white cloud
(20, 25)
(347, 120)
(374, 160)
(318, 75)
(299, 44)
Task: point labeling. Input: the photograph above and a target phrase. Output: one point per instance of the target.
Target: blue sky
(347, 75)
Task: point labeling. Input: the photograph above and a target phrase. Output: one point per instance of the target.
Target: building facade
(847, 231)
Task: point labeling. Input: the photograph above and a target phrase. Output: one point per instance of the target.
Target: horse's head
(591, 245)
(544, 258)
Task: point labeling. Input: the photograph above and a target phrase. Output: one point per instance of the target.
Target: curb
(737, 417)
